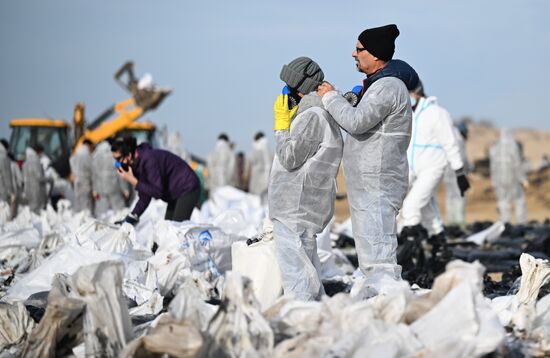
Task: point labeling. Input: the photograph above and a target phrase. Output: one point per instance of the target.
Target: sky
(484, 59)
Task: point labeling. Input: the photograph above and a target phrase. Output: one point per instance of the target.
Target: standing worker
(34, 181)
(16, 179)
(7, 184)
(375, 152)
(433, 146)
(509, 177)
(222, 165)
(109, 191)
(258, 166)
(81, 168)
(302, 184)
(455, 203)
(159, 174)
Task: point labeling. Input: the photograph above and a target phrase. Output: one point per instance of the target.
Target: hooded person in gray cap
(302, 184)
(375, 153)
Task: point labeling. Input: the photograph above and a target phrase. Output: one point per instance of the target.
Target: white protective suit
(7, 185)
(174, 144)
(16, 177)
(55, 185)
(433, 145)
(375, 168)
(508, 175)
(106, 182)
(302, 189)
(455, 204)
(259, 165)
(222, 166)
(34, 181)
(81, 168)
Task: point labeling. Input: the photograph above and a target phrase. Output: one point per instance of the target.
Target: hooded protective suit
(455, 204)
(302, 189)
(81, 168)
(259, 164)
(433, 144)
(6, 177)
(34, 181)
(375, 167)
(222, 166)
(508, 175)
(106, 183)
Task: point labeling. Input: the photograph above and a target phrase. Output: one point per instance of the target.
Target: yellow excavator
(119, 119)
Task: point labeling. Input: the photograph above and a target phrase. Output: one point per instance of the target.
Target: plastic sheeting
(99, 276)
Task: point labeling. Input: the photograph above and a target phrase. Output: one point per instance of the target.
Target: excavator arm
(125, 112)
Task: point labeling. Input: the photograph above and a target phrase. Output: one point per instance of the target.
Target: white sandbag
(169, 337)
(15, 324)
(171, 267)
(488, 235)
(151, 307)
(228, 198)
(99, 286)
(518, 310)
(534, 274)
(62, 322)
(189, 305)
(238, 329)
(456, 272)
(107, 237)
(259, 263)
(67, 261)
(27, 237)
(289, 318)
(540, 328)
(463, 320)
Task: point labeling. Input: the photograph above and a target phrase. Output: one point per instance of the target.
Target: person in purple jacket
(159, 174)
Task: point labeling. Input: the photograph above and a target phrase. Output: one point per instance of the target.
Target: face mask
(413, 101)
(293, 98)
(124, 166)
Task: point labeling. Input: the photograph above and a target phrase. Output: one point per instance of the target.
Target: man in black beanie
(375, 152)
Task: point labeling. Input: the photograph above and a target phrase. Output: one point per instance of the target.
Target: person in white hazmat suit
(221, 164)
(34, 181)
(375, 152)
(455, 203)
(509, 177)
(8, 191)
(302, 183)
(174, 144)
(258, 166)
(81, 169)
(16, 180)
(108, 189)
(433, 146)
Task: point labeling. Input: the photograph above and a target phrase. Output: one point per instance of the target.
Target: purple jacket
(161, 175)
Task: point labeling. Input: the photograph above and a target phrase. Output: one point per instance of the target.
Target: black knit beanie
(380, 41)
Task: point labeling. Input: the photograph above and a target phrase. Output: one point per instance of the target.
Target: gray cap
(302, 74)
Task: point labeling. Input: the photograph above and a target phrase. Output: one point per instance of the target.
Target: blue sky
(485, 59)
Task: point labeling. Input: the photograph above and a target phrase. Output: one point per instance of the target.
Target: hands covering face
(324, 88)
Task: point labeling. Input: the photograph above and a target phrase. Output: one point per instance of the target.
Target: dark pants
(181, 208)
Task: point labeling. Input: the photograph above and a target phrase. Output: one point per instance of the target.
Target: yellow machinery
(53, 136)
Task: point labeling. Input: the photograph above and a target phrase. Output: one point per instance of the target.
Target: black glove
(130, 219)
(462, 181)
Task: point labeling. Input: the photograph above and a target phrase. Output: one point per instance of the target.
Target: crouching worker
(302, 183)
(156, 174)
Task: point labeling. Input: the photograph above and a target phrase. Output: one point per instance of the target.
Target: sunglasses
(359, 49)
